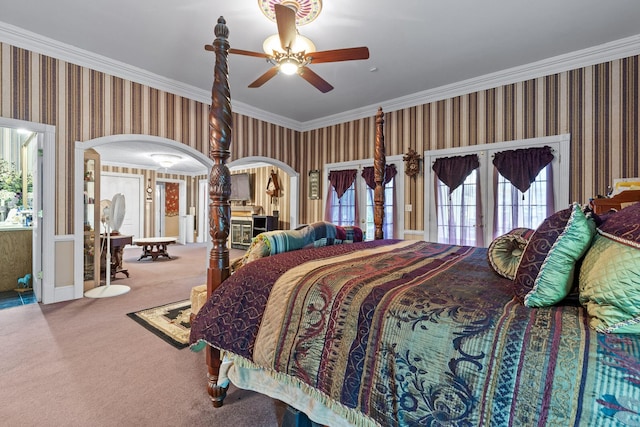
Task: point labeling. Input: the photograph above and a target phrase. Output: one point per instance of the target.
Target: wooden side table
(117, 243)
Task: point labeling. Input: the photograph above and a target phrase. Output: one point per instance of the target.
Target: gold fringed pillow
(505, 251)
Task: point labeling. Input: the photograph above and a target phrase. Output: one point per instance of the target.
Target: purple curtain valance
(522, 166)
(390, 172)
(342, 180)
(454, 170)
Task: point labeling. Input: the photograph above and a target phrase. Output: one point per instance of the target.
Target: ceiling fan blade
(286, 20)
(265, 77)
(247, 53)
(321, 84)
(337, 55)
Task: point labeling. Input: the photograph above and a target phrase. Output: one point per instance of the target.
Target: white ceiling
(416, 46)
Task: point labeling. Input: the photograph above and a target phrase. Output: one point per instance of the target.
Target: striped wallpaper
(597, 105)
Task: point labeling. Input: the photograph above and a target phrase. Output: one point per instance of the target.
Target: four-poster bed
(392, 332)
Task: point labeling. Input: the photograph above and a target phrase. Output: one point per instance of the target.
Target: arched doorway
(292, 185)
(293, 182)
(132, 151)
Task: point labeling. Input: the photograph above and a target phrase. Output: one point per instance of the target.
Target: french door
(356, 205)
(483, 217)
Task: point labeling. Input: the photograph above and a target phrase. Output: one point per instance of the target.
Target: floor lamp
(109, 290)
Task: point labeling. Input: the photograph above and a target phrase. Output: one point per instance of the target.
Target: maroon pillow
(546, 270)
(623, 226)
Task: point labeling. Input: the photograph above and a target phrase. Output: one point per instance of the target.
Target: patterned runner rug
(170, 322)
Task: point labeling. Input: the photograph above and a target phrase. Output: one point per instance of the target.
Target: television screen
(241, 187)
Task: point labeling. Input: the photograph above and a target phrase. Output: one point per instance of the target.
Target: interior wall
(150, 177)
(597, 105)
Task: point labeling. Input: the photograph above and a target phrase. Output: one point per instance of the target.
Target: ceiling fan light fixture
(289, 66)
(166, 160)
(301, 44)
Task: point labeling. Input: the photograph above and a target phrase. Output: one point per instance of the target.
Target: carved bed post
(220, 121)
(379, 165)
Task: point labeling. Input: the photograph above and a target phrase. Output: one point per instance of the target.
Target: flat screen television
(241, 189)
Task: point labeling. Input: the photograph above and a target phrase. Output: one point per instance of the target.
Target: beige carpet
(85, 363)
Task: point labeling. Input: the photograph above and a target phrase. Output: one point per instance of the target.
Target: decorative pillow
(545, 274)
(349, 233)
(258, 248)
(505, 251)
(609, 277)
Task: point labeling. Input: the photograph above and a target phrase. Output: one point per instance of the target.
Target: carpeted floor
(85, 363)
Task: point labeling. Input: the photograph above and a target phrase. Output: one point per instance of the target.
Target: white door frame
(182, 205)
(203, 214)
(43, 263)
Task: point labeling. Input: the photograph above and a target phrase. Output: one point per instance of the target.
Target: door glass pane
(343, 208)
(517, 209)
(387, 222)
(456, 213)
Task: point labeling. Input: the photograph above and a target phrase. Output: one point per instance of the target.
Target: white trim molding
(617, 49)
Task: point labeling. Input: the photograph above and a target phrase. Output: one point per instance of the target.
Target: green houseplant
(11, 191)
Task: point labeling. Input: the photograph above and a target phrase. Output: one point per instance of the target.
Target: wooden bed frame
(220, 132)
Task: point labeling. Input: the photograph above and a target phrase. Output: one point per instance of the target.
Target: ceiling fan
(294, 53)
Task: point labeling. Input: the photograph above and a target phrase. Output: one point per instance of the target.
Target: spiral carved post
(220, 120)
(379, 165)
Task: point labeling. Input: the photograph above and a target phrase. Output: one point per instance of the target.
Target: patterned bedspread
(403, 333)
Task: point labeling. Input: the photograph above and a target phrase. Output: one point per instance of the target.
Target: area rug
(169, 322)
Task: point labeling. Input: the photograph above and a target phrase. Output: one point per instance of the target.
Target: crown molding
(594, 55)
(617, 49)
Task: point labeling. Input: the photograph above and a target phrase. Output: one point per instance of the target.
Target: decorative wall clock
(149, 190)
(273, 186)
(412, 163)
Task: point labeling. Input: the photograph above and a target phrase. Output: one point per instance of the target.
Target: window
(458, 213)
(500, 206)
(343, 209)
(517, 209)
(390, 213)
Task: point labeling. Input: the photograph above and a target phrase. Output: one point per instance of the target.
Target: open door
(36, 147)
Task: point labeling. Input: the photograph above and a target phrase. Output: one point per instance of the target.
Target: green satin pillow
(610, 286)
(609, 281)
